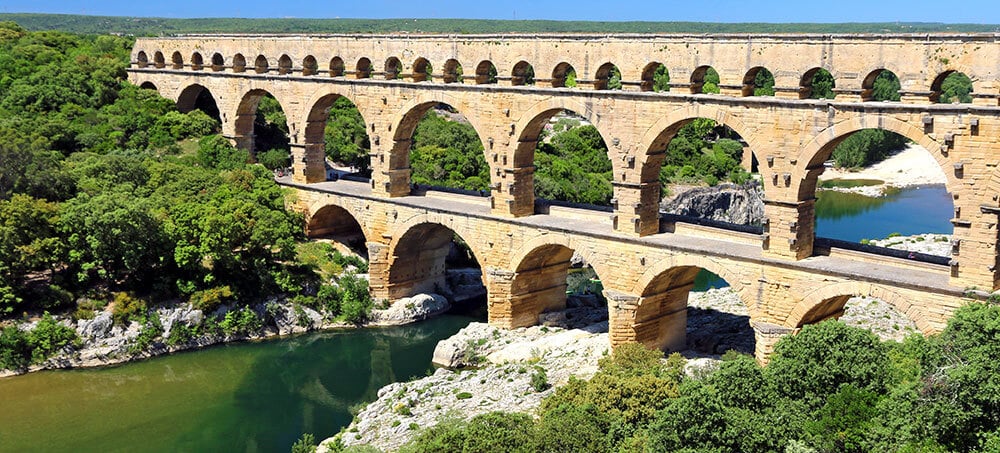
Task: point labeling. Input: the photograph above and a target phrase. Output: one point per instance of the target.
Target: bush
(357, 304)
(574, 428)
(241, 322)
(48, 336)
(15, 352)
(209, 299)
(499, 431)
(151, 330)
(305, 444)
(539, 381)
(329, 297)
(127, 308)
(463, 395)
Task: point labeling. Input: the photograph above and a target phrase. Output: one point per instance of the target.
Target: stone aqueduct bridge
(647, 265)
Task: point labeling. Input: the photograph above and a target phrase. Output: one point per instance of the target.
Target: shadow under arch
(418, 252)
(147, 85)
(318, 115)
(337, 223)
(197, 96)
(245, 115)
(658, 136)
(661, 319)
(828, 303)
(539, 283)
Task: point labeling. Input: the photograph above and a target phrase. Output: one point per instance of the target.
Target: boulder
(410, 309)
(97, 328)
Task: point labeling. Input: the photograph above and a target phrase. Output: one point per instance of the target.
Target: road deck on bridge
(595, 223)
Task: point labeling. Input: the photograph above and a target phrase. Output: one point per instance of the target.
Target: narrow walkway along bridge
(647, 264)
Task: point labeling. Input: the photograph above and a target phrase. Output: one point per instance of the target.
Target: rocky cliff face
(740, 204)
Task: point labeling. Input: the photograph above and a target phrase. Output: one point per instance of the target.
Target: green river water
(241, 397)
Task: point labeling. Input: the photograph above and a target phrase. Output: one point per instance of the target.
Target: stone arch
(246, 111)
(158, 61)
(260, 65)
(658, 136)
(452, 71)
(197, 62)
(417, 252)
(218, 62)
(327, 218)
(177, 60)
(317, 116)
(486, 73)
(604, 75)
(422, 70)
(561, 74)
(363, 69)
(648, 74)
(539, 279)
(239, 63)
(750, 80)
(806, 83)
(284, 65)
(937, 84)
(522, 74)
(818, 150)
(191, 96)
(310, 66)
(828, 302)
(868, 83)
(393, 68)
(141, 60)
(723, 270)
(336, 67)
(698, 78)
(148, 85)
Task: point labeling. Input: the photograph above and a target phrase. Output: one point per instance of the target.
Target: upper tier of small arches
(641, 76)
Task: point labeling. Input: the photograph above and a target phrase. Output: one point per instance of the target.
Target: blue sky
(965, 11)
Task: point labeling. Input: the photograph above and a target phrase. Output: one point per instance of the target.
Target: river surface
(260, 396)
(240, 397)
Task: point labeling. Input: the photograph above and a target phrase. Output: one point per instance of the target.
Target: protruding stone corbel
(620, 300)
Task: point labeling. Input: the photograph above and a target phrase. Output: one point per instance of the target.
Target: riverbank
(497, 370)
(910, 167)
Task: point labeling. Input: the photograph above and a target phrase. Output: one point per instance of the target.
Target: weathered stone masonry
(647, 272)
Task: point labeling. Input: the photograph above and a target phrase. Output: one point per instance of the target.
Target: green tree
(956, 87)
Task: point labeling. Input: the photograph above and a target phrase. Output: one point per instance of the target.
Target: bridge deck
(932, 279)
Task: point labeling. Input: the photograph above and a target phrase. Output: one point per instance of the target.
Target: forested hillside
(144, 26)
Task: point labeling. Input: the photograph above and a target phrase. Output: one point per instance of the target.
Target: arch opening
(158, 61)
(655, 77)
(452, 71)
(523, 74)
(310, 66)
(445, 150)
(882, 193)
(363, 70)
(261, 122)
(817, 83)
(335, 124)
(218, 62)
(705, 79)
(486, 73)
(284, 65)
(337, 67)
(197, 97)
(239, 63)
(758, 82)
(336, 224)
(177, 61)
(569, 157)
(551, 278)
(148, 86)
(260, 65)
(141, 60)
(952, 87)
(691, 309)
(197, 62)
(393, 69)
(884, 318)
(422, 71)
(430, 258)
(608, 77)
(564, 76)
(880, 85)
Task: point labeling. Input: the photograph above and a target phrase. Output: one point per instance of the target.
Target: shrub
(127, 308)
(356, 304)
(574, 428)
(208, 300)
(48, 336)
(305, 444)
(499, 431)
(151, 330)
(463, 395)
(15, 352)
(181, 334)
(329, 297)
(539, 381)
(241, 322)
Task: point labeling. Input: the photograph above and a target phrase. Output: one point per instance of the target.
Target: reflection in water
(853, 217)
(241, 397)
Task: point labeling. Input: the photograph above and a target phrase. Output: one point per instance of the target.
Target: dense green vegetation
(159, 26)
(831, 388)
(101, 205)
(867, 146)
(448, 153)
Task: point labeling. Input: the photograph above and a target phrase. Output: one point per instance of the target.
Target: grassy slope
(159, 26)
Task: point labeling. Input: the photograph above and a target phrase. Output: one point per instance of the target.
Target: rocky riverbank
(492, 369)
(909, 167)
